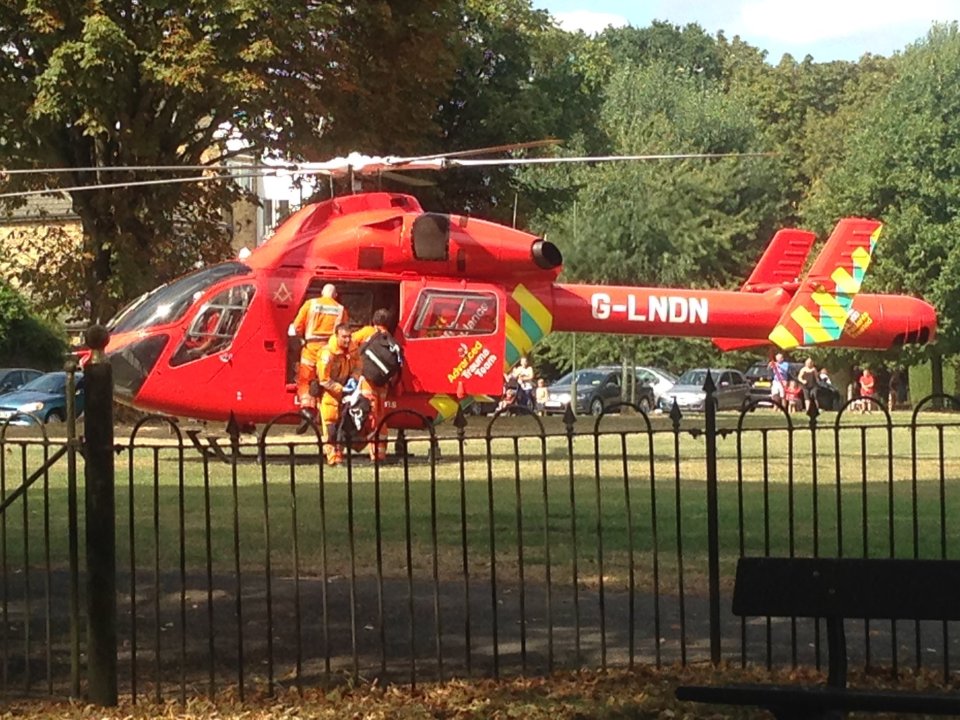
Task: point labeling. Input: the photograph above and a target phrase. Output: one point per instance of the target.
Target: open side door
(454, 337)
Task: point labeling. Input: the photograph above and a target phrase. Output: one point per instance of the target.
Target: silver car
(732, 390)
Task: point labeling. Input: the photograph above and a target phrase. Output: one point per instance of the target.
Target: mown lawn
(633, 495)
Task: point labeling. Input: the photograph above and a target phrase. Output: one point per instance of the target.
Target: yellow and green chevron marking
(528, 323)
(446, 406)
(832, 309)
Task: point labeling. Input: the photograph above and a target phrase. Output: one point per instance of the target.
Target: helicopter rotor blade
(135, 183)
(407, 179)
(355, 165)
(293, 167)
(483, 151)
(601, 158)
(126, 168)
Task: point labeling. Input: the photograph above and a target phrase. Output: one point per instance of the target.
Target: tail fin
(782, 261)
(822, 308)
(779, 267)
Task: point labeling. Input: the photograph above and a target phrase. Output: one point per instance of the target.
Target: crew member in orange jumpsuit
(382, 320)
(315, 324)
(338, 362)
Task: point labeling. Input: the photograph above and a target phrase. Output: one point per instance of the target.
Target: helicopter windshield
(170, 302)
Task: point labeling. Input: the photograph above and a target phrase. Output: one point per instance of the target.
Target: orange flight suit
(315, 323)
(335, 367)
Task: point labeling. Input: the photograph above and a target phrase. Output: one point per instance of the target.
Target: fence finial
(97, 337)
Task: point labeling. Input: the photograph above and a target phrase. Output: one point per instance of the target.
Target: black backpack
(382, 358)
(352, 426)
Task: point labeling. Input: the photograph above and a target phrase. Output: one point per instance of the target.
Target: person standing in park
(381, 360)
(314, 324)
(780, 370)
(807, 377)
(337, 365)
(896, 378)
(541, 397)
(867, 389)
(523, 373)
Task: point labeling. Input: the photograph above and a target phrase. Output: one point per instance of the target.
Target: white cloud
(817, 20)
(588, 21)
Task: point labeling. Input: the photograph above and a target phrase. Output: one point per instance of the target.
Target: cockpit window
(170, 302)
(215, 326)
(454, 314)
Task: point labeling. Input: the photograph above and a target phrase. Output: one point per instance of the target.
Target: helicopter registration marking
(660, 308)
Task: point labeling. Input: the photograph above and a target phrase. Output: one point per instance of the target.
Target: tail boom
(737, 319)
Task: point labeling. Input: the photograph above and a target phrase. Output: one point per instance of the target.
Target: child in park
(792, 395)
(541, 396)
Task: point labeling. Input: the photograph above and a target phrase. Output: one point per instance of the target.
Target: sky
(825, 29)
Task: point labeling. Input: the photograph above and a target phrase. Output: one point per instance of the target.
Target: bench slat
(874, 588)
(821, 698)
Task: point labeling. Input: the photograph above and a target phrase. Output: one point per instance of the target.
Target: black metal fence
(503, 545)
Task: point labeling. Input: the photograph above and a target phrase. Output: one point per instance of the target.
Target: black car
(760, 377)
(596, 390)
(15, 378)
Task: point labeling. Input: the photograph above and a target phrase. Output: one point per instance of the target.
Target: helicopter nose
(133, 362)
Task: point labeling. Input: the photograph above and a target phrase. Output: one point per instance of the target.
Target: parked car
(660, 380)
(45, 397)
(732, 390)
(597, 389)
(13, 378)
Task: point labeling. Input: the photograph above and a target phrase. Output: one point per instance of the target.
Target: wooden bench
(835, 589)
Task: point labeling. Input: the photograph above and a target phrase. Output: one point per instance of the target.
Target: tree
(26, 338)
(681, 223)
(687, 51)
(901, 167)
(125, 83)
(518, 77)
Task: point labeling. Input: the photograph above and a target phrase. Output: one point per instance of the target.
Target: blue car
(15, 378)
(45, 398)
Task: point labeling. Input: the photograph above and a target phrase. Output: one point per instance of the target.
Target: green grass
(777, 479)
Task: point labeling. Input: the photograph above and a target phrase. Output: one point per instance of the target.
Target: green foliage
(25, 338)
(517, 78)
(125, 83)
(901, 167)
(687, 51)
(13, 309)
(690, 223)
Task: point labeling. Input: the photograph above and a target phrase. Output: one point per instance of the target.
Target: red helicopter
(471, 297)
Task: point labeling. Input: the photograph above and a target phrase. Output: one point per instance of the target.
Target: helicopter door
(212, 338)
(455, 338)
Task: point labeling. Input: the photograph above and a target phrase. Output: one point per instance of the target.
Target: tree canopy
(900, 164)
(121, 83)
